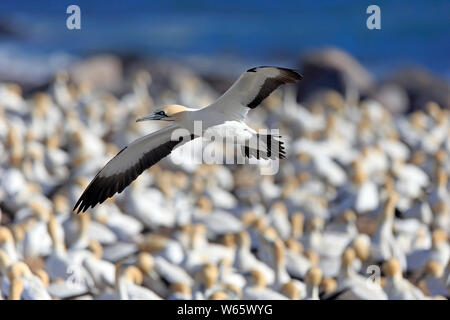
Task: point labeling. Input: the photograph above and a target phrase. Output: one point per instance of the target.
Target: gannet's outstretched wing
(252, 87)
(128, 164)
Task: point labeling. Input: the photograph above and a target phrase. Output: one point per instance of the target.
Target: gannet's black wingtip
(292, 73)
(78, 208)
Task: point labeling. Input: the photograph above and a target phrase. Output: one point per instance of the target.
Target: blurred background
(222, 38)
(365, 182)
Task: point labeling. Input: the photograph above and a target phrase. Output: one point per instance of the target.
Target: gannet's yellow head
(434, 268)
(5, 261)
(17, 270)
(314, 276)
(219, 295)
(392, 268)
(290, 290)
(173, 109)
(361, 245)
(167, 113)
(257, 279)
(209, 274)
(181, 287)
(329, 285)
(6, 235)
(146, 262)
(133, 275)
(348, 256)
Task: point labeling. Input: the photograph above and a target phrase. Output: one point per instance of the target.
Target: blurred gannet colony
(361, 187)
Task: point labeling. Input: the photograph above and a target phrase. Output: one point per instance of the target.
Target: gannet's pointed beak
(151, 116)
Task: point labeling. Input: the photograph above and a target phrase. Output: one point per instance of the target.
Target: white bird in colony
(411, 179)
(223, 119)
(61, 91)
(11, 97)
(442, 216)
(15, 290)
(152, 280)
(384, 243)
(329, 289)
(87, 144)
(326, 244)
(300, 117)
(435, 281)
(64, 265)
(422, 240)
(5, 263)
(15, 192)
(222, 295)
(180, 291)
(172, 273)
(297, 225)
(207, 281)
(67, 289)
(439, 251)
(125, 227)
(220, 198)
(255, 223)
(375, 162)
(101, 271)
(257, 290)
(32, 286)
(279, 264)
(119, 250)
(269, 190)
(290, 290)
(37, 240)
(245, 261)
(36, 171)
(228, 276)
(313, 279)
(345, 224)
(356, 286)
(329, 170)
(7, 244)
(397, 287)
(60, 205)
(101, 233)
(278, 218)
(217, 222)
(128, 285)
(202, 251)
(361, 245)
(163, 246)
(420, 211)
(76, 232)
(440, 193)
(296, 263)
(394, 149)
(362, 195)
(266, 240)
(149, 206)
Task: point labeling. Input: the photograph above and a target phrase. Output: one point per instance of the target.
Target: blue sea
(226, 36)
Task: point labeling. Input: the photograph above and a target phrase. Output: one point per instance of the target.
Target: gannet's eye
(161, 113)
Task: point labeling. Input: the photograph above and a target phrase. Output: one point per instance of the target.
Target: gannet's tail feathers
(127, 165)
(267, 147)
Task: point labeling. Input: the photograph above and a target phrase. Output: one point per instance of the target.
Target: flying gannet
(224, 117)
